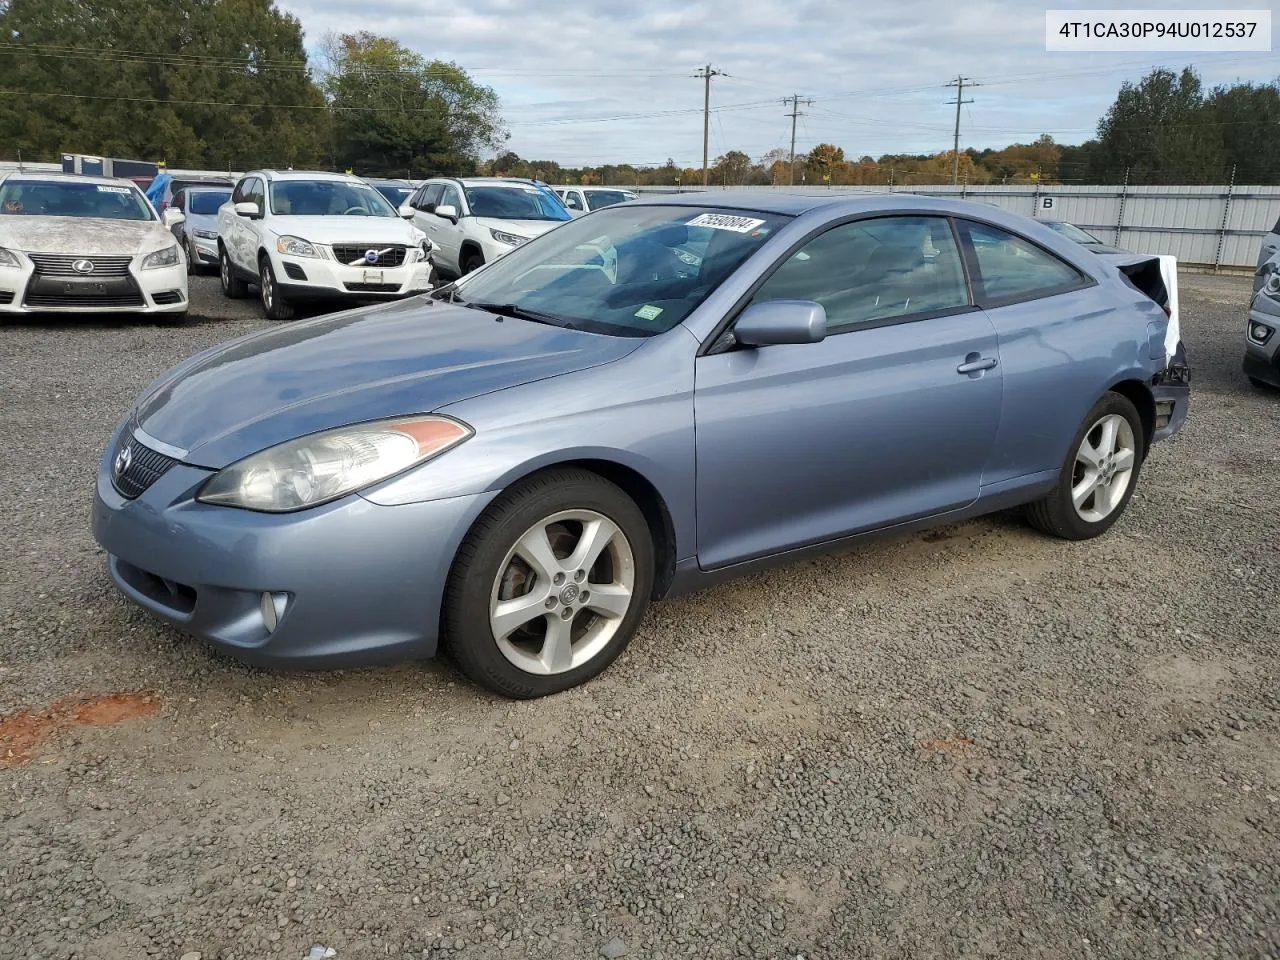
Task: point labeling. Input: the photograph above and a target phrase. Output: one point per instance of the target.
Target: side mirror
(781, 321)
(448, 211)
(172, 217)
(248, 209)
(406, 211)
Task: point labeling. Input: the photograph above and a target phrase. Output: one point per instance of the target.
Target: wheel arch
(642, 491)
(469, 247)
(1138, 392)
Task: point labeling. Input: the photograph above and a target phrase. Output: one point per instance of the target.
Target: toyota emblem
(82, 266)
(123, 459)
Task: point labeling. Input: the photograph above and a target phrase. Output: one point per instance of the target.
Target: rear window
(46, 198)
(207, 202)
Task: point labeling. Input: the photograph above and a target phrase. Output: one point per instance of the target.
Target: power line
(958, 83)
(795, 102)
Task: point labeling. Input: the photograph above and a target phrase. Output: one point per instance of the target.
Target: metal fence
(1214, 227)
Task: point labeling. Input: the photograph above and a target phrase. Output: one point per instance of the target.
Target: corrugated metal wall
(1207, 226)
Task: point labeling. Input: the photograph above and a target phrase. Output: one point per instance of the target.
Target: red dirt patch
(947, 744)
(22, 732)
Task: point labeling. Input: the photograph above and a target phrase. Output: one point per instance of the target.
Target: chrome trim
(159, 446)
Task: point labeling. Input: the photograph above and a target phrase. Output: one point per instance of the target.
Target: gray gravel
(975, 742)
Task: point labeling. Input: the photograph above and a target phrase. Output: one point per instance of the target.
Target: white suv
(475, 220)
(317, 236)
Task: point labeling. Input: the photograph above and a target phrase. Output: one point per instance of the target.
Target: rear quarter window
(1009, 268)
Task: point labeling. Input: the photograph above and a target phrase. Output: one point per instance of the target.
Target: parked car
(475, 220)
(1262, 343)
(177, 185)
(78, 244)
(585, 199)
(396, 191)
(317, 236)
(198, 232)
(1080, 236)
(517, 464)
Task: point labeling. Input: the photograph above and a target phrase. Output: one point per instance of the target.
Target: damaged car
(1262, 343)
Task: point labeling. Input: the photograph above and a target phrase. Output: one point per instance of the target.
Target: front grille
(166, 298)
(373, 287)
(61, 265)
(45, 300)
(142, 468)
(349, 252)
(6, 296)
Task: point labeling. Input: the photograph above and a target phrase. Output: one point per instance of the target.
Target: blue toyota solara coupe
(643, 401)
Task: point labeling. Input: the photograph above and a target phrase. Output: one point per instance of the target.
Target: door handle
(976, 364)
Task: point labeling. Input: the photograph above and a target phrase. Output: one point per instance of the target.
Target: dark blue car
(516, 464)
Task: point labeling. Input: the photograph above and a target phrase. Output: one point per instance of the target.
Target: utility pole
(705, 74)
(958, 83)
(795, 102)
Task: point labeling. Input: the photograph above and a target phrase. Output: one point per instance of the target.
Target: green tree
(1246, 119)
(202, 83)
(732, 169)
(394, 112)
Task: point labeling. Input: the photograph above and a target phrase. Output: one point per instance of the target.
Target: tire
(232, 286)
(1102, 503)
(471, 261)
(1261, 384)
(573, 508)
(274, 305)
(433, 276)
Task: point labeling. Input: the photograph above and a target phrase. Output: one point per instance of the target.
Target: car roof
(830, 203)
(35, 177)
(305, 175)
(493, 181)
(394, 181)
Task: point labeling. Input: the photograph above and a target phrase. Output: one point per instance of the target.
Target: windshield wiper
(519, 313)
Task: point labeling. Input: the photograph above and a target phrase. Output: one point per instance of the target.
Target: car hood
(349, 229)
(82, 235)
(383, 361)
(521, 228)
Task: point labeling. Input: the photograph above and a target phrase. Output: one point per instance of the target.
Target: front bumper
(158, 290)
(206, 251)
(1262, 357)
(352, 582)
(313, 278)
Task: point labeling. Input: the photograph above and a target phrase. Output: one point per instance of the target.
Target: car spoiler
(1156, 276)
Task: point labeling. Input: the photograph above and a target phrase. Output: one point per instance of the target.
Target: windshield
(395, 195)
(628, 271)
(1071, 231)
(607, 198)
(46, 198)
(523, 202)
(207, 202)
(327, 198)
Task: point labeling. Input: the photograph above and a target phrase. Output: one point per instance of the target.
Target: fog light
(1260, 332)
(272, 606)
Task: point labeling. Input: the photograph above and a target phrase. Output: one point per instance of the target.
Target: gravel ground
(974, 742)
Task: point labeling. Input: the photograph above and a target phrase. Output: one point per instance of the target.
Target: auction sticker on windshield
(121, 190)
(649, 312)
(724, 221)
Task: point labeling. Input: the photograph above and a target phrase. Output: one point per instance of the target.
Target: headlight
(205, 234)
(1271, 286)
(424, 251)
(510, 239)
(325, 466)
(296, 247)
(8, 259)
(168, 257)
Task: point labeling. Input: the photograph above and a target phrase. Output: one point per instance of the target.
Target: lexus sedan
(513, 466)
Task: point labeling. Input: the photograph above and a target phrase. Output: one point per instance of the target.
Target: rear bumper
(1171, 390)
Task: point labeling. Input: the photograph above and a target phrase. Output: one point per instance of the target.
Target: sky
(613, 81)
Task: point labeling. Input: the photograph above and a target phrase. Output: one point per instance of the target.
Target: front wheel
(549, 586)
(470, 262)
(274, 305)
(1099, 475)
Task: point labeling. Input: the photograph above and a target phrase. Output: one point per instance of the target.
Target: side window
(874, 270)
(180, 200)
(1010, 268)
(240, 193)
(450, 197)
(431, 196)
(256, 193)
(572, 201)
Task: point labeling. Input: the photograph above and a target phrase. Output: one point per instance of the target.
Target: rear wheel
(232, 286)
(274, 305)
(1099, 475)
(549, 586)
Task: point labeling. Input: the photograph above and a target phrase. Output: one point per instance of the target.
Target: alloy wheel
(1103, 468)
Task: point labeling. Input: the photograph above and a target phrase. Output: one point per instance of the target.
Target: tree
(822, 160)
(732, 169)
(1156, 130)
(206, 83)
(394, 112)
(1246, 119)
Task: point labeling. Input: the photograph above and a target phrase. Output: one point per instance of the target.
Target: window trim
(717, 342)
(974, 269)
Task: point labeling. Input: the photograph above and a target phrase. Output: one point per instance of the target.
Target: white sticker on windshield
(649, 312)
(723, 221)
(121, 190)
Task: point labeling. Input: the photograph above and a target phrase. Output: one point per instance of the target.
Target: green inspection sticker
(648, 312)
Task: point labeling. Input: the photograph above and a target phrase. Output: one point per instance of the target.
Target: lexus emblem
(123, 459)
(82, 266)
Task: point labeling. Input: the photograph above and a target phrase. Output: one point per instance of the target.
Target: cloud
(564, 71)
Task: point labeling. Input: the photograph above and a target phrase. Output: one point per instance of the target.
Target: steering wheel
(353, 210)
